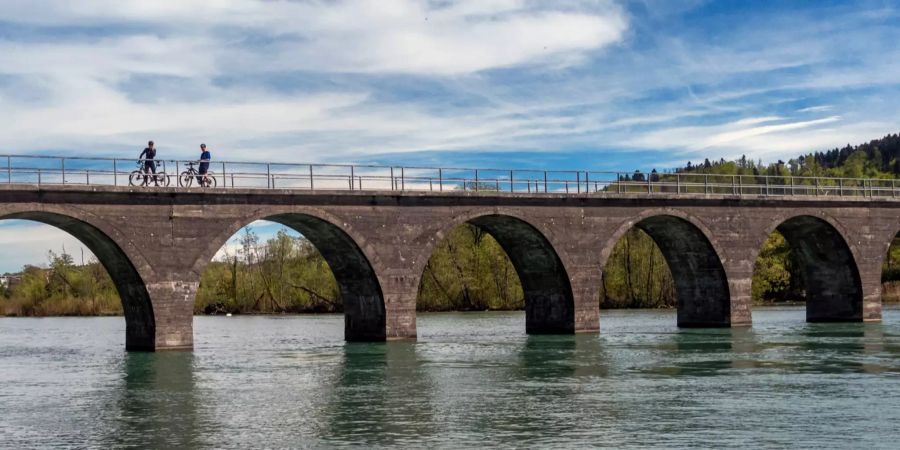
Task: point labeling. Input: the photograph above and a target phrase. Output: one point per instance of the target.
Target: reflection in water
(157, 402)
(382, 395)
(705, 351)
(562, 356)
(547, 356)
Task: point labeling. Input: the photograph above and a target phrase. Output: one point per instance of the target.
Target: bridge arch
(827, 260)
(343, 250)
(124, 266)
(702, 293)
(549, 302)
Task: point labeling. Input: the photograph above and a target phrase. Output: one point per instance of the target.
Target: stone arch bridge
(156, 243)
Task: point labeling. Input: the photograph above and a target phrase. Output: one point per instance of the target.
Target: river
(471, 379)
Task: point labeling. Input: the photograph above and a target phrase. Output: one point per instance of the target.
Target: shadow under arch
(702, 294)
(364, 311)
(549, 302)
(140, 323)
(830, 275)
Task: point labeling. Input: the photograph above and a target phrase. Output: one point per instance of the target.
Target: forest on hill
(468, 271)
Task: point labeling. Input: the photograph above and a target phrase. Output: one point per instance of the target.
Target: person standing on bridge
(205, 156)
(149, 164)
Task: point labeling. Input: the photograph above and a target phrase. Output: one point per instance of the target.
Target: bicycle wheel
(186, 179)
(210, 181)
(136, 178)
(163, 179)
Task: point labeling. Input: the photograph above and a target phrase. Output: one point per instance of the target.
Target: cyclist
(149, 164)
(204, 165)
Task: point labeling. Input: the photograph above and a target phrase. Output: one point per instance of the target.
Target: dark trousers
(150, 167)
(202, 169)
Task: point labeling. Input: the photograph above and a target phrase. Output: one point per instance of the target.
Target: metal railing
(53, 170)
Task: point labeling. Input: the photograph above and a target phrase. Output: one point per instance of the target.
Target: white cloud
(69, 93)
(760, 138)
(819, 108)
(732, 134)
(396, 36)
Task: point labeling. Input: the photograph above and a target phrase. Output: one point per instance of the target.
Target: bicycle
(142, 177)
(187, 177)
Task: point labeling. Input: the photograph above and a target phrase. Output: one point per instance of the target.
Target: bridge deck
(19, 192)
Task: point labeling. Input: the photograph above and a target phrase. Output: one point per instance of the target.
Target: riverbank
(894, 301)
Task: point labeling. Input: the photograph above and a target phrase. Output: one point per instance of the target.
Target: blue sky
(562, 84)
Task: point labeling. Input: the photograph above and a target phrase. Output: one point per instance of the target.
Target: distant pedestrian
(205, 156)
(147, 157)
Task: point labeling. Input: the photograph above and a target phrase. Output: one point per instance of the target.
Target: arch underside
(364, 313)
(140, 325)
(830, 275)
(701, 286)
(549, 304)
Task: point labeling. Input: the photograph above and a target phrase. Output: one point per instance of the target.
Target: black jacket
(149, 152)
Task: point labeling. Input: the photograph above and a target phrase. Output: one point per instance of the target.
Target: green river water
(471, 380)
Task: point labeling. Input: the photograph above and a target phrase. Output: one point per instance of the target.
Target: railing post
(8, 170)
(223, 175)
(578, 181)
(677, 183)
(619, 182)
(312, 184)
(62, 165)
(351, 178)
(816, 188)
(567, 186)
(734, 185)
(393, 184)
(115, 173)
(476, 181)
(441, 180)
(587, 182)
(268, 176)
(87, 176)
(649, 186)
(792, 185)
(511, 185)
(840, 187)
(545, 181)
(706, 184)
(402, 179)
(39, 177)
(767, 185)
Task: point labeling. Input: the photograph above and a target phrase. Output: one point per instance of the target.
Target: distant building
(7, 280)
